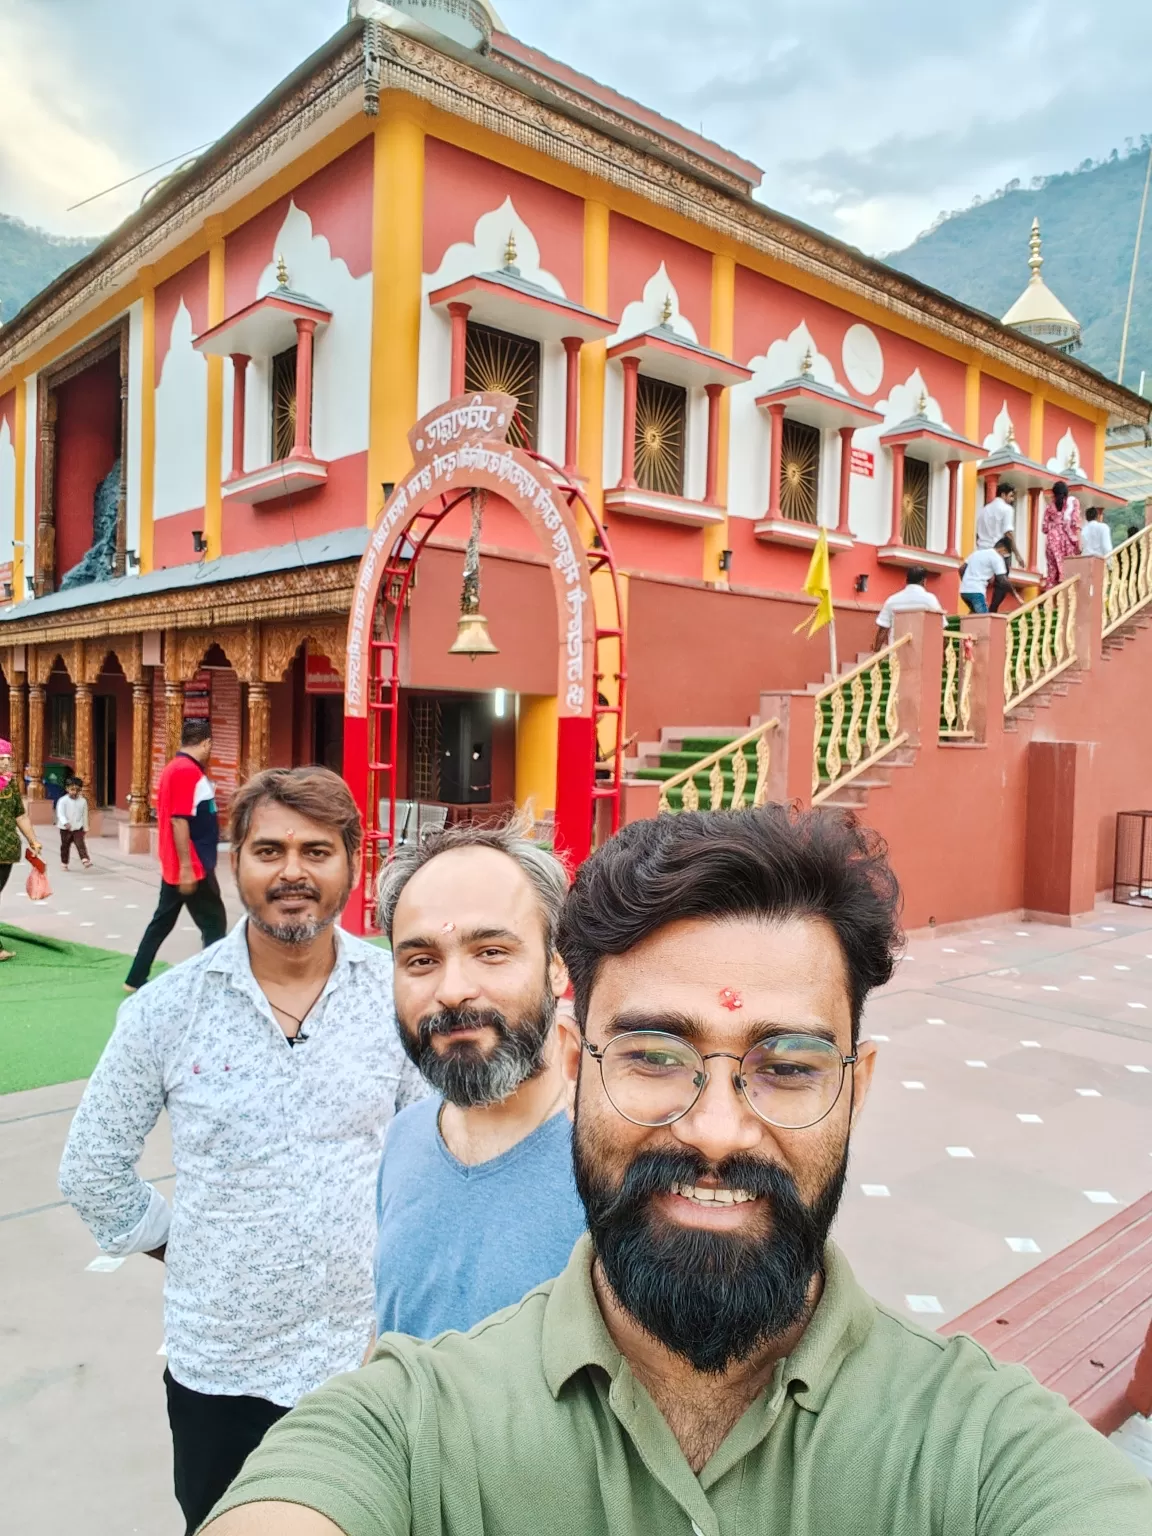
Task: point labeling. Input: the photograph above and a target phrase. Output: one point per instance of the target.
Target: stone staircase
(679, 747)
(855, 794)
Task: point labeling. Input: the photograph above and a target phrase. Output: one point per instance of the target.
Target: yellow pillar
(22, 470)
(593, 355)
(147, 419)
(397, 271)
(971, 483)
(1036, 428)
(214, 438)
(723, 339)
(1101, 458)
(536, 718)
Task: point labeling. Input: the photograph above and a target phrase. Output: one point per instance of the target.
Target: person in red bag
(13, 822)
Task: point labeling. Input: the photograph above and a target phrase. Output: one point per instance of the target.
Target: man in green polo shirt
(706, 1364)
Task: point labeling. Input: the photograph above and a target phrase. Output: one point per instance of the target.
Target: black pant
(212, 1437)
(5, 871)
(206, 909)
(69, 837)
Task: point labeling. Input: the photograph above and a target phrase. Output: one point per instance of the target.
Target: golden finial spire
(806, 363)
(1010, 436)
(1035, 260)
(922, 403)
(666, 313)
(510, 251)
(281, 272)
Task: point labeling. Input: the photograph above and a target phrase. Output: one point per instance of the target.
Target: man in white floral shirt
(276, 1055)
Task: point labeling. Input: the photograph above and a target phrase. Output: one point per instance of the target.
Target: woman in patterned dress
(1061, 528)
(13, 821)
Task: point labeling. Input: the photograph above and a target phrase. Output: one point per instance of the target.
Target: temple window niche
(499, 362)
(278, 333)
(660, 431)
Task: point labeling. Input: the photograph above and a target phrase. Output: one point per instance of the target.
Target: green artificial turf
(58, 1004)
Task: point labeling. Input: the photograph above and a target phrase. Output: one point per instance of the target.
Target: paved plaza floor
(1012, 1113)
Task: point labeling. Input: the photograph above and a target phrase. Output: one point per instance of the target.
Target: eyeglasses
(654, 1079)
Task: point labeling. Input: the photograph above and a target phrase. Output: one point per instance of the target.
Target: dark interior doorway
(328, 731)
(104, 740)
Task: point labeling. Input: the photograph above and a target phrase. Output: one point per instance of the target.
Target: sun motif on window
(499, 363)
(661, 410)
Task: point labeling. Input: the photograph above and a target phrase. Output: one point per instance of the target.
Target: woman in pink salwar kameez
(1061, 528)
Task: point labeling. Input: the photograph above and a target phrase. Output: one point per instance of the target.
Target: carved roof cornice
(309, 592)
(537, 113)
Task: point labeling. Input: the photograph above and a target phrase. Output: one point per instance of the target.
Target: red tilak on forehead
(731, 999)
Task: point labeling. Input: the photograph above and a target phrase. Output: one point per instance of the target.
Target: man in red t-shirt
(189, 834)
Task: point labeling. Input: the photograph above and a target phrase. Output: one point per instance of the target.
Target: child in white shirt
(72, 820)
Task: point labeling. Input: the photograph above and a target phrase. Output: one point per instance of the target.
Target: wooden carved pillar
(139, 796)
(45, 562)
(631, 366)
(573, 346)
(18, 726)
(843, 523)
(259, 728)
(896, 529)
(120, 553)
(459, 313)
(715, 393)
(775, 457)
(953, 509)
(35, 741)
(85, 756)
(173, 717)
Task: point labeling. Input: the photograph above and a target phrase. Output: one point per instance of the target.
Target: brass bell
(472, 637)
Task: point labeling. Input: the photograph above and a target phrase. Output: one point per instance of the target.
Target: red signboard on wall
(863, 463)
(320, 676)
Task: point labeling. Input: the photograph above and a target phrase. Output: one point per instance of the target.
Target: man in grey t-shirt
(476, 1199)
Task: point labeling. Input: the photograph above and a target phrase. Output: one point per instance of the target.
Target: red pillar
(356, 777)
(896, 533)
(953, 510)
(239, 384)
(1034, 528)
(575, 780)
(775, 457)
(846, 436)
(715, 393)
(459, 313)
(990, 488)
(305, 332)
(631, 367)
(572, 346)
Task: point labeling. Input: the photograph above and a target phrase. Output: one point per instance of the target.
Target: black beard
(467, 1076)
(710, 1297)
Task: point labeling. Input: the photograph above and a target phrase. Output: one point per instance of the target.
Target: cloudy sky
(868, 116)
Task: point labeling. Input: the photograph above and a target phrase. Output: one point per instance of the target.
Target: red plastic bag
(37, 884)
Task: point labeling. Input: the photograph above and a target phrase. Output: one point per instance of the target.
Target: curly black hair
(774, 862)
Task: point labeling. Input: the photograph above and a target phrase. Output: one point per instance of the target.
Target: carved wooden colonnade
(259, 654)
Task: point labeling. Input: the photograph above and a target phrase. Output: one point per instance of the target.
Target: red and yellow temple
(215, 498)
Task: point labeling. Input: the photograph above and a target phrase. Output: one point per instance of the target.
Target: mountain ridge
(1088, 220)
(30, 258)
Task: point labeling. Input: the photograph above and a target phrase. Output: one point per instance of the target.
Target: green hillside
(1088, 219)
(29, 259)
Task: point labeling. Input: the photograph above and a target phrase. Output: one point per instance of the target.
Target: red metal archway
(459, 448)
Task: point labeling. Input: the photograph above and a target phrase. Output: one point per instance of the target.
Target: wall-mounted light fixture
(8, 591)
(387, 486)
(31, 580)
(500, 703)
(725, 560)
(199, 543)
(132, 559)
(862, 582)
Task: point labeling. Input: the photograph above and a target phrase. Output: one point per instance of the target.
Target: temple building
(442, 340)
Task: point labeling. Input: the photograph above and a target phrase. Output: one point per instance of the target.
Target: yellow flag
(818, 584)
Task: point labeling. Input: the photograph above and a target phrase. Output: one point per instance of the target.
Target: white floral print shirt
(272, 1228)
